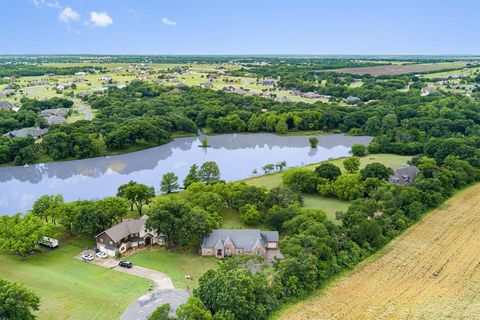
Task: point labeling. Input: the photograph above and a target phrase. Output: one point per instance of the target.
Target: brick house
(125, 235)
(223, 243)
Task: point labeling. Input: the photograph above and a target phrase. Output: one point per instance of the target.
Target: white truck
(48, 242)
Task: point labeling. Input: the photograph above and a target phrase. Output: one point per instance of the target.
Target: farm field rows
(432, 271)
(397, 69)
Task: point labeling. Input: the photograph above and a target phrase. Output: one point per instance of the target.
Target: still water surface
(237, 155)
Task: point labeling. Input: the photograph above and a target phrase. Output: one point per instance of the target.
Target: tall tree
(17, 302)
(351, 164)
(169, 182)
(138, 194)
(328, 171)
(67, 213)
(209, 172)
(121, 191)
(20, 235)
(191, 177)
(45, 206)
(193, 309)
(179, 222)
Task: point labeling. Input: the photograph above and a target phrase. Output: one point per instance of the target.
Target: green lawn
(329, 205)
(231, 220)
(71, 289)
(176, 264)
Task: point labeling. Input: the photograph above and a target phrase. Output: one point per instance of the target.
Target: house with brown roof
(126, 235)
(223, 243)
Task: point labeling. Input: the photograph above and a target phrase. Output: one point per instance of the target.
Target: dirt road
(432, 271)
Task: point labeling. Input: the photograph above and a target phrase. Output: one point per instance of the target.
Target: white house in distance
(127, 234)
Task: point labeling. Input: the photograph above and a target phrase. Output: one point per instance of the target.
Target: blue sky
(240, 26)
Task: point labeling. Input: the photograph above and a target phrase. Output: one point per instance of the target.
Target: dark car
(125, 264)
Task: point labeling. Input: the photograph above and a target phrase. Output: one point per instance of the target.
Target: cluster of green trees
(24, 70)
(25, 150)
(20, 234)
(328, 180)
(185, 219)
(146, 114)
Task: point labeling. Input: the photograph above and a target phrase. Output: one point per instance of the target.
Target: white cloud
(68, 15)
(169, 22)
(100, 19)
(54, 5)
(37, 3)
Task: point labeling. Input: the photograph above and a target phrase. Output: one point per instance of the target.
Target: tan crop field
(432, 271)
(396, 69)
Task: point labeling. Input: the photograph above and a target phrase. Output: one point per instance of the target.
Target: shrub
(358, 150)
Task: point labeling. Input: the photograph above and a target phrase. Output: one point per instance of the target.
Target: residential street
(83, 108)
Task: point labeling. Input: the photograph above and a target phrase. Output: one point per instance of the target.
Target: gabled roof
(25, 132)
(404, 176)
(219, 244)
(240, 238)
(125, 228)
(270, 236)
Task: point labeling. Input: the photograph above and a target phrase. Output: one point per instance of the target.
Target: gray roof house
(6, 93)
(206, 85)
(5, 105)
(404, 176)
(38, 83)
(61, 112)
(427, 90)
(267, 82)
(352, 99)
(222, 243)
(125, 235)
(55, 119)
(26, 132)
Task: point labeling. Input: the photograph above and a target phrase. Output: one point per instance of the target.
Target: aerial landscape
(231, 160)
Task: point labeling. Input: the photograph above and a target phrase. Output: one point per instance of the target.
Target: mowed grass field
(432, 271)
(72, 289)
(396, 69)
(176, 264)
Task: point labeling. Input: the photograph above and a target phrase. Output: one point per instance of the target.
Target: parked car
(125, 264)
(48, 242)
(87, 257)
(101, 254)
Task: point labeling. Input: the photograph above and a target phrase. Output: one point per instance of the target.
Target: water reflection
(236, 154)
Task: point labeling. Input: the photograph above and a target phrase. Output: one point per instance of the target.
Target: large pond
(237, 155)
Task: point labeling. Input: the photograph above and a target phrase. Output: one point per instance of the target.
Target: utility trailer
(48, 242)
